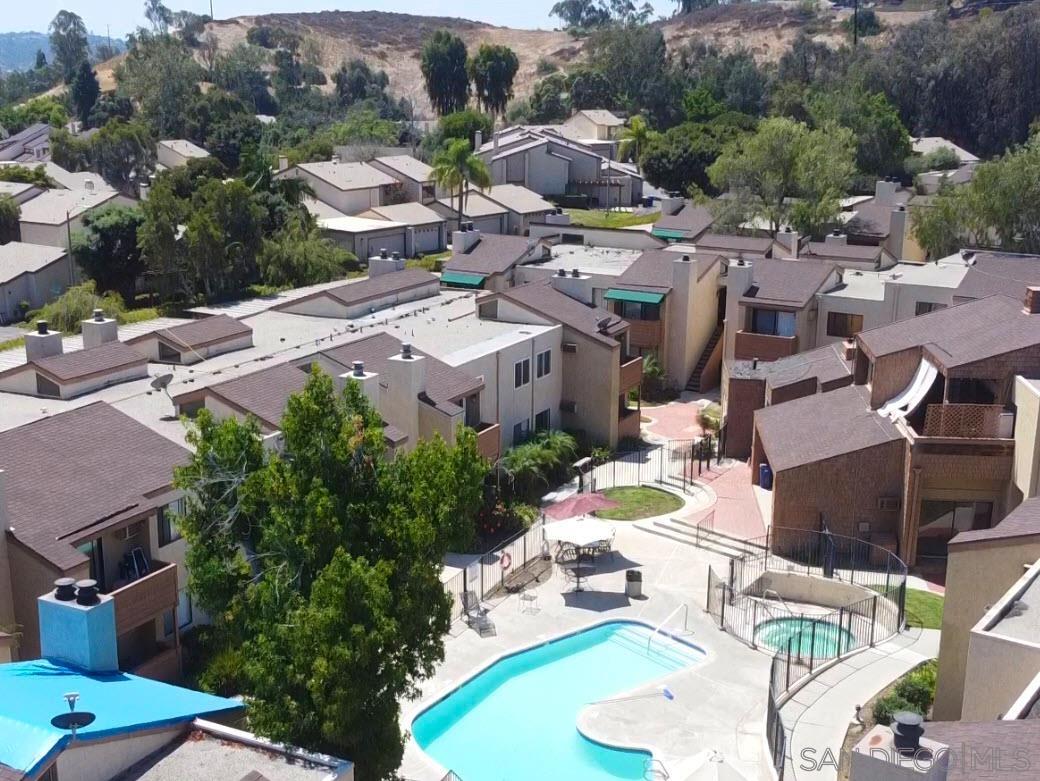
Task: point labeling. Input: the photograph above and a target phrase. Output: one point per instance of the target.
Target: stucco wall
(1026, 468)
(104, 759)
(31, 576)
(350, 202)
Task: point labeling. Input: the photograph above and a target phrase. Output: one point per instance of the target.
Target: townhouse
(487, 261)
(174, 152)
(52, 216)
(425, 230)
(481, 212)
(30, 276)
(415, 176)
(350, 188)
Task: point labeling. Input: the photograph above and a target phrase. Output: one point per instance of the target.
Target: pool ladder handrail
(779, 598)
(686, 618)
(654, 769)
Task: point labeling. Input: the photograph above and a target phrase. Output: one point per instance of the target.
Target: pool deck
(719, 704)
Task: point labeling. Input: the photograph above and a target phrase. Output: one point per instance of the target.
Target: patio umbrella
(714, 767)
(579, 504)
(579, 532)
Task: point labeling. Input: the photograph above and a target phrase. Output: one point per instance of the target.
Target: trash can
(765, 476)
(633, 583)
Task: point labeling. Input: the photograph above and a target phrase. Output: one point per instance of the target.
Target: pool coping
(583, 729)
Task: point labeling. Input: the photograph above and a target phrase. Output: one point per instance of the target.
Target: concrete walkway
(817, 717)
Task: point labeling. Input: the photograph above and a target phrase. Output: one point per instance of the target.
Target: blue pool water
(516, 720)
(804, 636)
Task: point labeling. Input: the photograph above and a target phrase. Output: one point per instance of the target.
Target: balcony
(631, 372)
(489, 440)
(968, 421)
(628, 424)
(145, 598)
(644, 333)
(765, 347)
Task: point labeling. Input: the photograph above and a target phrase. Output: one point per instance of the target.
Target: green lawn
(924, 609)
(597, 218)
(639, 502)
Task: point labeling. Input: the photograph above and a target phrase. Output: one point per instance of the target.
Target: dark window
(521, 373)
(520, 431)
(168, 531)
(543, 363)
(771, 322)
(541, 421)
(843, 324)
(167, 354)
(93, 551)
(924, 307)
(632, 310)
(941, 520)
(45, 387)
(184, 613)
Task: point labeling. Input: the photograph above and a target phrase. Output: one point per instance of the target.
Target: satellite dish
(162, 383)
(602, 324)
(72, 720)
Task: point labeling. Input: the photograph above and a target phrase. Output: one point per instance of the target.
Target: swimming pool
(517, 720)
(814, 637)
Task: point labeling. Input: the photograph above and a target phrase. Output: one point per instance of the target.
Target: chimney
(789, 238)
(6, 600)
(900, 753)
(283, 163)
(42, 343)
(386, 263)
(99, 330)
(335, 158)
(88, 185)
(575, 285)
(478, 140)
(885, 191)
(464, 239)
(367, 381)
(405, 380)
(836, 237)
(897, 229)
(1032, 300)
(80, 631)
(848, 348)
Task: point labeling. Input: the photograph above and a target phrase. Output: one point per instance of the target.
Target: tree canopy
(443, 65)
(492, 70)
(68, 39)
(107, 251)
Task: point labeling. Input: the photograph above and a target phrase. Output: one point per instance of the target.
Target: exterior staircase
(694, 383)
(701, 534)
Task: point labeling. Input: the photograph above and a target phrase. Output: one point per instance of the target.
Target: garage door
(391, 242)
(428, 240)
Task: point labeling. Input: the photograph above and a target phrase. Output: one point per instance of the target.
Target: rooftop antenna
(73, 720)
(162, 383)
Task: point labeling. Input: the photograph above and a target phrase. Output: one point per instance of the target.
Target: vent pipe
(41, 327)
(87, 592)
(65, 589)
(907, 730)
(359, 368)
(406, 351)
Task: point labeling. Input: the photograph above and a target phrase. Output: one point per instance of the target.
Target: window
(631, 310)
(184, 613)
(45, 387)
(168, 531)
(543, 363)
(520, 431)
(93, 551)
(167, 354)
(843, 324)
(541, 421)
(772, 322)
(924, 307)
(521, 373)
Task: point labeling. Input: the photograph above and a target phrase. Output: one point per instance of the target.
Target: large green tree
(455, 168)
(443, 65)
(107, 249)
(678, 159)
(68, 39)
(882, 142)
(492, 70)
(159, 239)
(84, 91)
(321, 567)
(299, 255)
(123, 153)
(786, 173)
(223, 237)
(161, 74)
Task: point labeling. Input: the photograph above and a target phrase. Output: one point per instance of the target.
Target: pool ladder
(654, 770)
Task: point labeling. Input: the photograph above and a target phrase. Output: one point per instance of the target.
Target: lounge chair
(476, 614)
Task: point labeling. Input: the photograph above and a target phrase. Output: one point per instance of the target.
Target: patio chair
(606, 546)
(566, 553)
(476, 614)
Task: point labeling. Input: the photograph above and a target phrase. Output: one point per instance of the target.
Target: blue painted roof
(32, 693)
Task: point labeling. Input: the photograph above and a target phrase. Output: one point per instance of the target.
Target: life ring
(506, 561)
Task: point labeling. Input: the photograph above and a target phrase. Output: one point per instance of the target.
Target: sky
(125, 15)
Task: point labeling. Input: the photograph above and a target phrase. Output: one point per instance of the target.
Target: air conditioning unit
(569, 347)
(888, 503)
(129, 532)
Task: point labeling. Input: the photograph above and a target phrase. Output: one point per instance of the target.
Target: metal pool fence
(676, 463)
(486, 574)
(743, 599)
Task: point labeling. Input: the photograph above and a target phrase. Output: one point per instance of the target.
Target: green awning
(668, 233)
(462, 279)
(634, 296)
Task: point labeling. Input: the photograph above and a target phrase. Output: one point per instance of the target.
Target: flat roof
(409, 166)
(17, 258)
(122, 704)
(348, 176)
(406, 213)
(55, 207)
(609, 261)
(518, 199)
(358, 225)
(1020, 614)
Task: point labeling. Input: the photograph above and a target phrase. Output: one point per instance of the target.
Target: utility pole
(211, 10)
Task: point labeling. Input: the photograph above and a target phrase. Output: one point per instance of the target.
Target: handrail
(776, 594)
(686, 617)
(652, 767)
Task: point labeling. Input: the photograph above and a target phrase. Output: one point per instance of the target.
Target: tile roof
(999, 273)
(444, 383)
(518, 199)
(822, 426)
(406, 165)
(105, 358)
(543, 298)
(826, 364)
(202, 332)
(405, 213)
(786, 282)
(348, 176)
(731, 244)
(372, 287)
(960, 334)
(17, 258)
(54, 207)
(493, 254)
(88, 467)
(1023, 521)
(692, 219)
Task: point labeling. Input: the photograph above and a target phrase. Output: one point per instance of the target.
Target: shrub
(544, 67)
(916, 692)
(889, 705)
(75, 305)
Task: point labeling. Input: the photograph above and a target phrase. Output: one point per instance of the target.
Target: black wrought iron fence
(677, 463)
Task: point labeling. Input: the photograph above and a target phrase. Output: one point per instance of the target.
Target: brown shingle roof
(1023, 521)
(444, 383)
(786, 282)
(372, 287)
(543, 298)
(731, 244)
(961, 334)
(826, 364)
(653, 270)
(873, 218)
(492, 254)
(815, 428)
(104, 358)
(265, 393)
(200, 333)
(691, 218)
(989, 750)
(999, 273)
(85, 468)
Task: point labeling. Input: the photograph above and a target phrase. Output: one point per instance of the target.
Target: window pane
(518, 375)
(763, 321)
(527, 370)
(785, 324)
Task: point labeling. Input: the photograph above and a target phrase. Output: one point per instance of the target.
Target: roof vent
(359, 368)
(87, 592)
(41, 327)
(65, 589)
(406, 351)
(99, 315)
(907, 731)
(395, 255)
(836, 232)
(383, 253)
(1032, 302)
(603, 324)
(685, 258)
(967, 255)
(561, 272)
(575, 273)
(754, 363)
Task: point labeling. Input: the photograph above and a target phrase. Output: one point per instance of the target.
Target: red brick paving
(675, 420)
(736, 511)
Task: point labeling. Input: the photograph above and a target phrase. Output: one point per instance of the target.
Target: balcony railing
(631, 372)
(968, 421)
(765, 347)
(147, 597)
(489, 440)
(644, 333)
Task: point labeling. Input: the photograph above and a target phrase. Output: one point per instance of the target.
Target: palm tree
(634, 139)
(455, 167)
